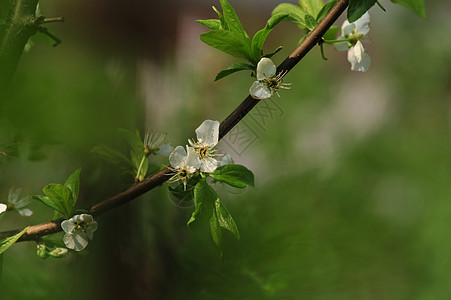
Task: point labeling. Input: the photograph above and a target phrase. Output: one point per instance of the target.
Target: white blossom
(153, 143)
(18, 204)
(267, 82)
(207, 139)
(353, 33)
(184, 163)
(3, 208)
(79, 229)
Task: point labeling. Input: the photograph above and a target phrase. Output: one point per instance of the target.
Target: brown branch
(159, 178)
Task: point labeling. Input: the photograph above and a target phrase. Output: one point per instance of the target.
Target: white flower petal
(360, 61)
(76, 240)
(208, 133)
(3, 208)
(177, 157)
(362, 25)
(265, 68)
(25, 212)
(344, 46)
(191, 162)
(68, 225)
(208, 164)
(260, 91)
(165, 150)
(346, 28)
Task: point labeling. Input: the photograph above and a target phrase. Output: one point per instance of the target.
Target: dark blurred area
(352, 169)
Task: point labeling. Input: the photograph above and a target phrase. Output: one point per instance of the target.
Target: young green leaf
(326, 8)
(221, 220)
(311, 7)
(211, 24)
(221, 19)
(204, 198)
(357, 8)
(46, 200)
(235, 175)
(215, 229)
(331, 33)
(180, 194)
(269, 55)
(417, 6)
(295, 13)
(310, 22)
(260, 37)
(9, 241)
(73, 183)
(61, 196)
(228, 42)
(232, 20)
(225, 219)
(234, 68)
(111, 155)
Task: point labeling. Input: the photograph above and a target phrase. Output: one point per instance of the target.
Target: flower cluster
(200, 155)
(267, 82)
(352, 33)
(79, 229)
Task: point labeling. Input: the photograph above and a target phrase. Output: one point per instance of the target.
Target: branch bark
(136, 190)
(14, 34)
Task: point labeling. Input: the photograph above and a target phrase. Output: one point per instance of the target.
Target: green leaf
(73, 183)
(260, 37)
(111, 155)
(228, 42)
(235, 175)
(417, 6)
(326, 8)
(225, 219)
(357, 8)
(212, 23)
(1, 264)
(133, 139)
(180, 194)
(269, 55)
(61, 196)
(311, 7)
(331, 33)
(215, 229)
(295, 13)
(221, 19)
(46, 200)
(221, 220)
(310, 22)
(232, 20)
(204, 198)
(9, 241)
(234, 68)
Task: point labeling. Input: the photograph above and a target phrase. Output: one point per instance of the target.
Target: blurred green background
(353, 196)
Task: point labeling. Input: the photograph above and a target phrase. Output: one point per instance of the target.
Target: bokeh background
(352, 197)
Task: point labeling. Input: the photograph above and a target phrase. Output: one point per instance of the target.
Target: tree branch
(136, 190)
(14, 34)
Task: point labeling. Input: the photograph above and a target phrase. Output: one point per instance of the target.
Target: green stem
(140, 167)
(14, 34)
(336, 41)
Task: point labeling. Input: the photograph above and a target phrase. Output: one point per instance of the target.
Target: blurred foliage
(352, 197)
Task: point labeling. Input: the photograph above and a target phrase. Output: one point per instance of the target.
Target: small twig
(53, 20)
(45, 31)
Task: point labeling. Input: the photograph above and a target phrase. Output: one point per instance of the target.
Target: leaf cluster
(209, 207)
(227, 35)
(62, 197)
